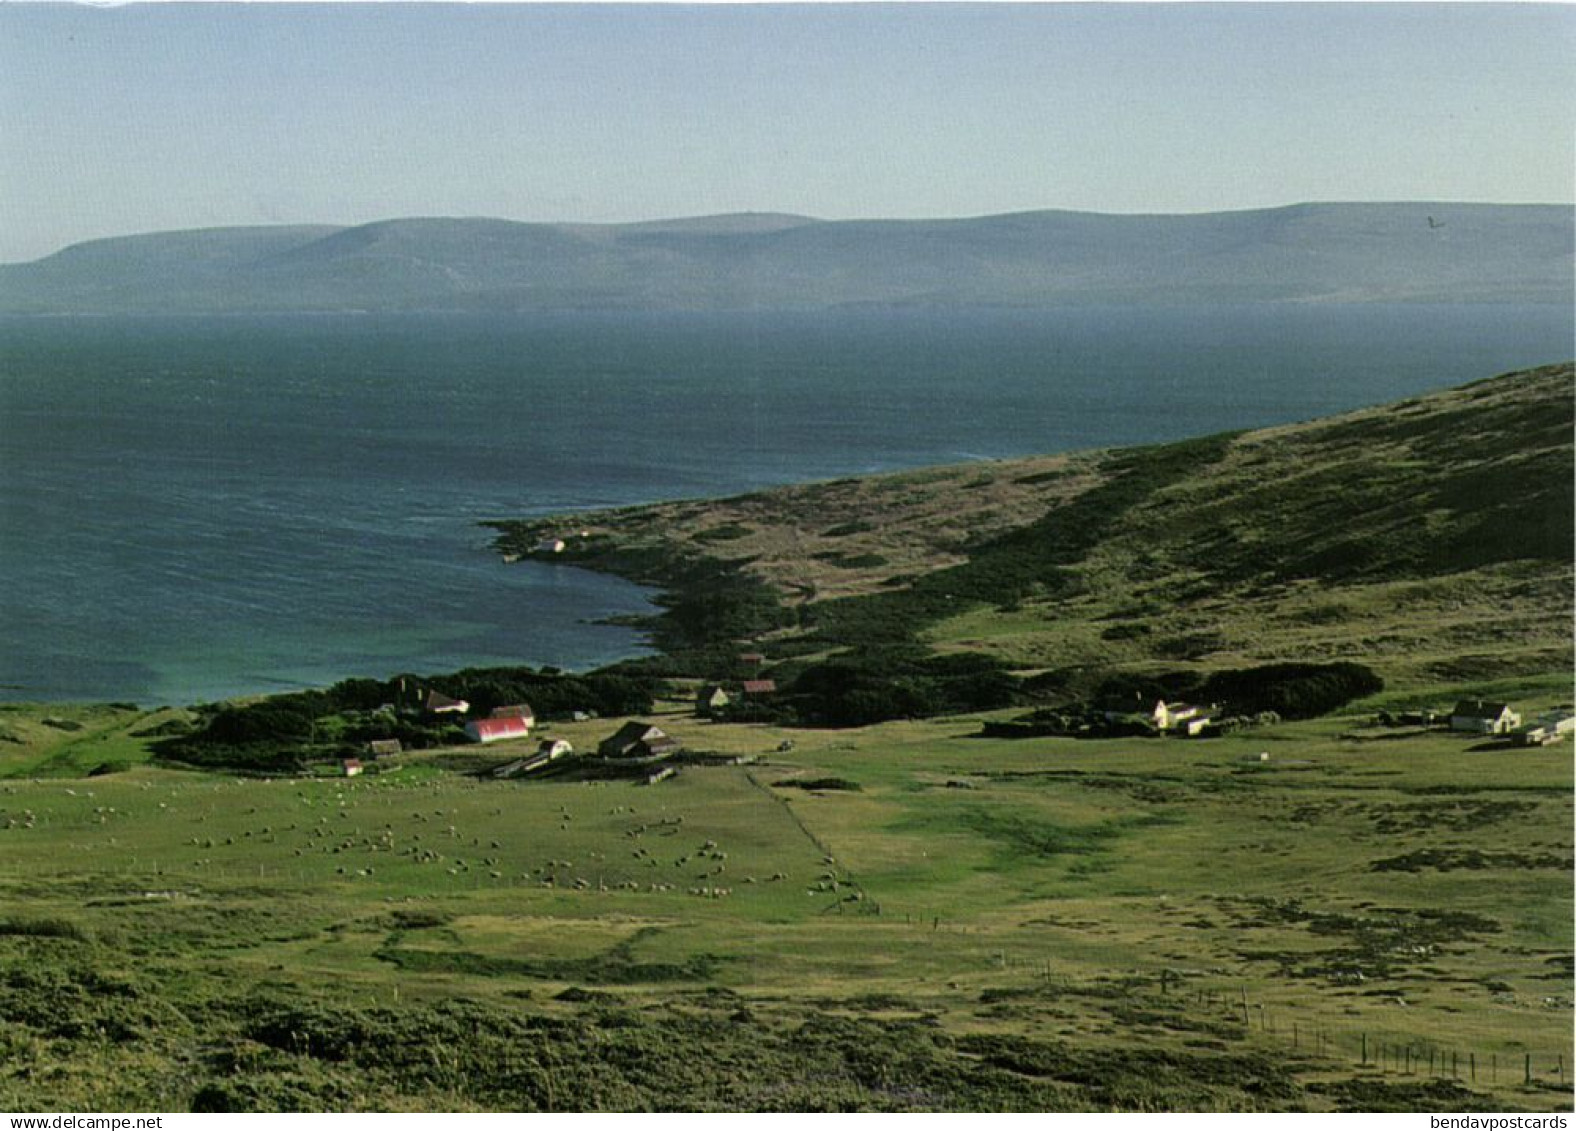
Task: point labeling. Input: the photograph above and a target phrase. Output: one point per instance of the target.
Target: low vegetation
(1427, 541)
(941, 862)
(900, 917)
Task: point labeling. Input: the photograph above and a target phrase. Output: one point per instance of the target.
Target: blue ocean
(197, 508)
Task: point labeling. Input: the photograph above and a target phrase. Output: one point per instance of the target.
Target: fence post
(1365, 1050)
(1472, 1065)
(1527, 1079)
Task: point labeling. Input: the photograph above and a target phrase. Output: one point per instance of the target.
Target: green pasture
(1220, 923)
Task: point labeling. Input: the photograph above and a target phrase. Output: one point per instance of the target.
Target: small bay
(204, 507)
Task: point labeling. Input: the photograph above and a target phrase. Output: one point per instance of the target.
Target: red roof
(490, 730)
(759, 686)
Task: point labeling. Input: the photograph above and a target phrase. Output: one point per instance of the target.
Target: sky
(115, 120)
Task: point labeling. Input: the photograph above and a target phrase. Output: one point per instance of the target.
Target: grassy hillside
(1363, 920)
(1315, 915)
(1430, 539)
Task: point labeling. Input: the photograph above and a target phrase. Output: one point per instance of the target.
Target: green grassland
(970, 923)
(1429, 539)
(1315, 915)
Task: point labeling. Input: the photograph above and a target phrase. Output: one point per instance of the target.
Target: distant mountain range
(1343, 253)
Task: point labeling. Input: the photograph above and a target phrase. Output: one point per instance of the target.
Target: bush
(725, 533)
(1131, 631)
(45, 928)
(826, 784)
(1292, 691)
(899, 682)
(269, 722)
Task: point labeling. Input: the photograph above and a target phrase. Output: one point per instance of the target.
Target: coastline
(1039, 560)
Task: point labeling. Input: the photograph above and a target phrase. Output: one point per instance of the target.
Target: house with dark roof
(1480, 716)
(438, 703)
(638, 742)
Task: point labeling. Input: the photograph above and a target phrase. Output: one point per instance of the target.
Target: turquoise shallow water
(194, 508)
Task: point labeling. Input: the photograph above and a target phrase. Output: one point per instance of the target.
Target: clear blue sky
(170, 115)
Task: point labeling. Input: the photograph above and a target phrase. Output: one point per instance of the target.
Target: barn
(516, 711)
(496, 730)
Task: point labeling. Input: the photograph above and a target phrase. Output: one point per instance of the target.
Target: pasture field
(1325, 915)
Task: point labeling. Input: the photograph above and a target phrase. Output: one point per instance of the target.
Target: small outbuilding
(758, 688)
(351, 767)
(384, 747)
(547, 753)
(550, 546)
(1549, 728)
(711, 698)
(1171, 716)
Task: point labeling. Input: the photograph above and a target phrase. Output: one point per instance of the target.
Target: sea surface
(196, 508)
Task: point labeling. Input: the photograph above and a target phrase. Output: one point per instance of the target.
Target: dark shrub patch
(1126, 631)
(833, 784)
(1293, 691)
(858, 526)
(726, 533)
(43, 928)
